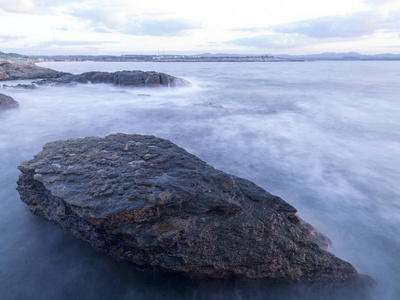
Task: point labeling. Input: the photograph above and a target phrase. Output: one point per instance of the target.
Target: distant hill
(332, 56)
(343, 56)
(313, 57)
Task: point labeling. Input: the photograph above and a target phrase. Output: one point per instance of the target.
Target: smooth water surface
(324, 136)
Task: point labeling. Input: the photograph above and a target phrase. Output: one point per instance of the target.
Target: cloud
(19, 6)
(33, 6)
(156, 27)
(382, 17)
(250, 29)
(10, 38)
(105, 19)
(272, 41)
(47, 44)
(351, 25)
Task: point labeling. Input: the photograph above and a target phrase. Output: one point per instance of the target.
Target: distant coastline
(163, 58)
(221, 57)
(205, 57)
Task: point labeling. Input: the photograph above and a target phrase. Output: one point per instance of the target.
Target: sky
(100, 27)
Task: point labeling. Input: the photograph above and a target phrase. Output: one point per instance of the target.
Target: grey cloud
(10, 38)
(333, 26)
(347, 26)
(73, 43)
(101, 19)
(353, 25)
(98, 17)
(350, 26)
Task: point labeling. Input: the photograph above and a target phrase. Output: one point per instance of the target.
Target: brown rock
(25, 70)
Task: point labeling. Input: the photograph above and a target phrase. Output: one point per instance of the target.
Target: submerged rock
(144, 200)
(20, 86)
(123, 78)
(7, 102)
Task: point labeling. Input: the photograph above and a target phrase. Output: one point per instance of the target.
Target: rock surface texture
(7, 102)
(123, 78)
(145, 201)
(25, 70)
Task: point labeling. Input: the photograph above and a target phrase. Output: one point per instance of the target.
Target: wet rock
(3, 74)
(122, 78)
(7, 102)
(145, 201)
(21, 86)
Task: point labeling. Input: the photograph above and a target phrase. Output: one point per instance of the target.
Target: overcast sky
(183, 26)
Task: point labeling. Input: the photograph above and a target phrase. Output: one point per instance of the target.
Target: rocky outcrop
(7, 102)
(145, 201)
(25, 70)
(15, 66)
(122, 78)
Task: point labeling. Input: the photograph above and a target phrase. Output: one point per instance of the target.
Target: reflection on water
(324, 136)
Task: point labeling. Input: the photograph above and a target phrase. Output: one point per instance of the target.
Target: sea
(324, 136)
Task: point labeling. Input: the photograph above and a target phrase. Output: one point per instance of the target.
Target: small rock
(7, 102)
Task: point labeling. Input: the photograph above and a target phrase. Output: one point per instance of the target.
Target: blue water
(325, 136)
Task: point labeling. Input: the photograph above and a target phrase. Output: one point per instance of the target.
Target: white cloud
(272, 41)
(19, 6)
(156, 27)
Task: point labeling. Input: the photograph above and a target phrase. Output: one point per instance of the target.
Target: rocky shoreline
(145, 201)
(10, 70)
(18, 67)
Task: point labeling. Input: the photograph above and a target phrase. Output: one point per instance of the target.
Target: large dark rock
(25, 70)
(122, 78)
(7, 102)
(145, 201)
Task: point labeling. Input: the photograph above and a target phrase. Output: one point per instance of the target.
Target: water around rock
(145, 201)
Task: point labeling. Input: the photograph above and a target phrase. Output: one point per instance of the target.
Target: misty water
(324, 136)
